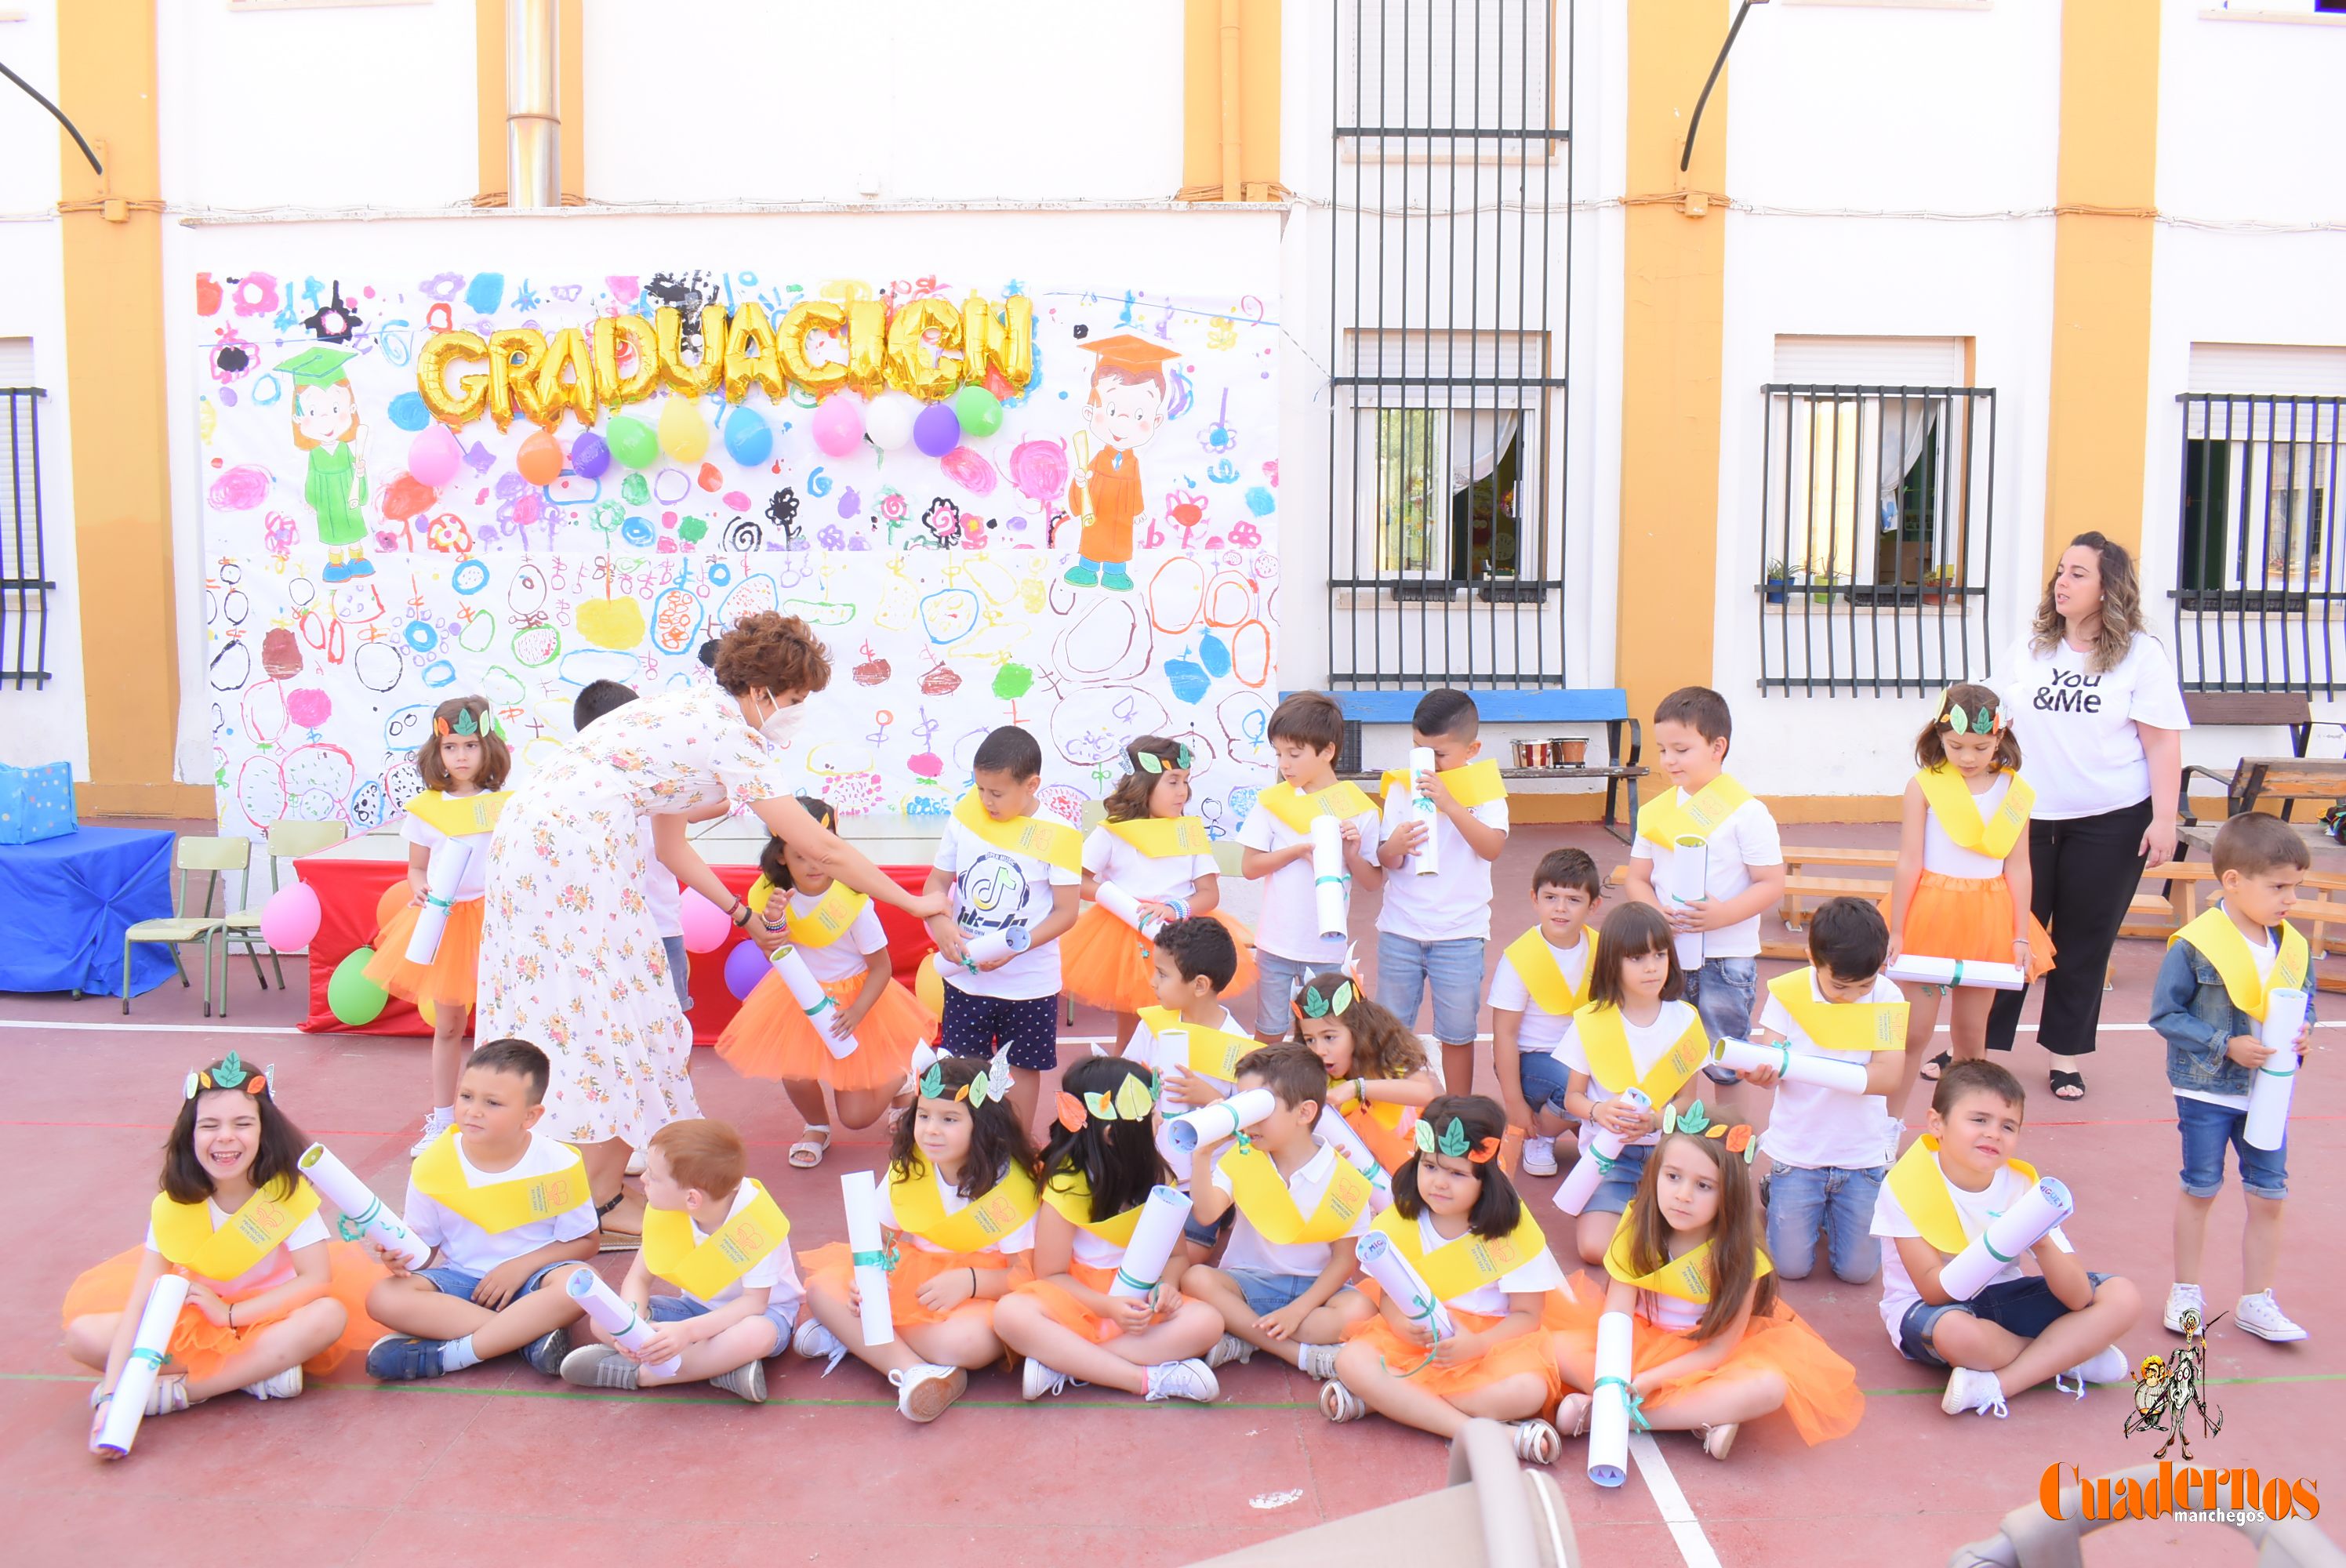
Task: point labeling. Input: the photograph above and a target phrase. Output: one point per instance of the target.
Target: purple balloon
(590, 454)
(937, 428)
(744, 967)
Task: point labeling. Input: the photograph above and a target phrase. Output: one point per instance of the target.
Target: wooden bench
(2213, 709)
(2257, 779)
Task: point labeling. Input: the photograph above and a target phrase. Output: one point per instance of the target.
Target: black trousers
(2084, 873)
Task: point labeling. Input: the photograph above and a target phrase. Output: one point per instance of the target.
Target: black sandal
(2068, 1085)
(1936, 1065)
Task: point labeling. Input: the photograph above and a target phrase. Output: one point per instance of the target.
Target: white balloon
(889, 420)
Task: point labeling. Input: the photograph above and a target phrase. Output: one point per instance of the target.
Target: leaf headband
(1152, 763)
(1310, 1004)
(1981, 721)
(232, 1074)
(994, 1084)
(1695, 1123)
(466, 726)
(1133, 1101)
(1453, 1142)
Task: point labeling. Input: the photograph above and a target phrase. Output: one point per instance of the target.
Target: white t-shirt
(843, 957)
(1111, 860)
(1145, 1049)
(1540, 1030)
(1943, 855)
(1975, 1209)
(1289, 923)
(777, 1272)
(465, 1246)
(1747, 837)
(1810, 1124)
(1667, 1311)
(1648, 1044)
(2264, 953)
(993, 888)
(2076, 729)
(1453, 903)
(1306, 1186)
(275, 1268)
(662, 891)
(1019, 1240)
(475, 882)
(1542, 1273)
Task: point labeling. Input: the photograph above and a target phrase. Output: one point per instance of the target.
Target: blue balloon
(408, 412)
(748, 438)
(744, 967)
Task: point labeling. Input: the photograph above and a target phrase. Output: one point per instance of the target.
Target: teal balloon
(351, 996)
(749, 439)
(633, 442)
(979, 410)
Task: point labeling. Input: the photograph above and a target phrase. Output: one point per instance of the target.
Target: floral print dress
(570, 959)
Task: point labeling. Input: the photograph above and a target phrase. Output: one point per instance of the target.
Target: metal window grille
(1877, 523)
(2260, 591)
(1449, 163)
(25, 583)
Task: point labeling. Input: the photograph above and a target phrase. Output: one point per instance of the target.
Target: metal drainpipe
(1233, 141)
(533, 110)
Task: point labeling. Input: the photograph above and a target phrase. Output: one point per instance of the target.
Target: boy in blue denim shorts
(1434, 923)
(2214, 991)
(1541, 982)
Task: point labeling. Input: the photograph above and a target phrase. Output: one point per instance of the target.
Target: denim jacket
(2189, 1007)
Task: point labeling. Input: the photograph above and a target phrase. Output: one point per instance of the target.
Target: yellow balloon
(751, 330)
(472, 395)
(867, 346)
(683, 433)
(929, 987)
(790, 344)
(693, 379)
(1005, 341)
(913, 362)
(425, 1010)
(616, 389)
(515, 355)
(568, 349)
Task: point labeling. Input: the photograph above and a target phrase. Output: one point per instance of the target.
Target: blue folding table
(66, 901)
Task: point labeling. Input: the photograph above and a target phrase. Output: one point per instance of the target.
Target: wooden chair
(210, 858)
(288, 840)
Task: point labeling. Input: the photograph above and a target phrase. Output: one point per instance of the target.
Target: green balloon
(979, 410)
(633, 442)
(351, 996)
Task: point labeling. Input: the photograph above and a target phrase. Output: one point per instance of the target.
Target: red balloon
(540, 458)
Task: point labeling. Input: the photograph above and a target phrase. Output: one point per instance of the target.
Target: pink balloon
(839, 425)
(434, 457)
(290, 919)
(705, 925)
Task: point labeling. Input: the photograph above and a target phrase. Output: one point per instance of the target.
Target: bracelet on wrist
(741, 916)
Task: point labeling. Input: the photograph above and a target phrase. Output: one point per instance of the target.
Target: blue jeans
(2025, 1306)
(679, 970)
(1544, 1079)
(450, 1280)
(1267, 1293)
(1722, 992)
(2206, 1129)
(1277, 979)
(1839, 1202)
(1619, 1185)
(1406, 967)
(676, 1308)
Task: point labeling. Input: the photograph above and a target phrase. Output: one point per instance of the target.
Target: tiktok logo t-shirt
(2079, 749)
(993, 889)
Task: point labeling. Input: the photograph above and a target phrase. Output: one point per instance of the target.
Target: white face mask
(782, 723)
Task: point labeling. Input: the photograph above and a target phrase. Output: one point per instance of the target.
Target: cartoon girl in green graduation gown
(326, 426)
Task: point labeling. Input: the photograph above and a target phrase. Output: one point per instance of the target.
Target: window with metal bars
(24, 585)
(2259, 590)
(1877, 521)
(1449, 290)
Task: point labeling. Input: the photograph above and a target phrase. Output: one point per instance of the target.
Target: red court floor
(498, 1464)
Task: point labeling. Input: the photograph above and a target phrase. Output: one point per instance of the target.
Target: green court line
(2204, 1382)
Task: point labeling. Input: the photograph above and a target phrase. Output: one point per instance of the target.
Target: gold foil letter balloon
(694, 380)
(471, 395)
(515, 355)
(867, 345)
(914, 365)
(614, 387)
(790, 344)
(567, 351)
(1006, 342)
(752, 332)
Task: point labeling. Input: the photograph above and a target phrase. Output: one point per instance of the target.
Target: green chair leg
(126, 977)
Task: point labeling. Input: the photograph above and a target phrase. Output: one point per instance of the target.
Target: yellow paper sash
(1663, 819)
(1841, 1025)
(1605, 1037)
(1161, 837)
(1071, 1195)
(1262, 1196)
(1456, 1268)
(1343, 800)
(460, 816)
(499, 1206)
(2219, 941)
(1054, 843)
(760, 893)
(1686, 1278)
(1959, 814)
(980, 1227)
(673, 1252)
(1535, 964)
(1921, 1188)
(829, 919)
(185, 1237)
(1476, 784)
(1213, 1053)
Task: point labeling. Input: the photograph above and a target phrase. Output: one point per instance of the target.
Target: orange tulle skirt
(199, 1345)
(1821, 1392)
(1533, 1352)
(915, 1267)
(1106, 963)
(770, 1037)
(454, 972)
(1064, 1310)
(1969, 918)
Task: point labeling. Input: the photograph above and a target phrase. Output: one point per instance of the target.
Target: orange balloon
(394, 898)
(540, 458)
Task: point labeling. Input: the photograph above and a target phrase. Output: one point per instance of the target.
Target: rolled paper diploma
(813, 1001)
(861, 1197)
(1010, 940)
(1579, 1184)
(1333, 887)
(444, 873)
(1741, 1055)
(363, 1212)
(2276, 1081)
(1210, 1124)
(1421, 769)
(1914, 969)
(1334, 1129)
(616, 1315)
(1126, 907)
(1382, 1262)
(1686, 880)
(2009, 1235)
(1155, 1235)
(149, 1349)
(1608, 1409)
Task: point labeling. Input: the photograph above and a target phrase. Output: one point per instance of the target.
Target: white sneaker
(1189, 1380)
(1039, 1380)
(1227, 1348)
(284, 1385)
(2260, 1315)
(2110, 1367)
(1981, 1392)
(2182, 1299)
(1316, 1362)
(925, 1389)
(1539, 1156)
(439, 1120)
(817, 1343)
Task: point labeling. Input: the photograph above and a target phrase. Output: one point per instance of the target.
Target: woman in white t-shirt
(2097, 711)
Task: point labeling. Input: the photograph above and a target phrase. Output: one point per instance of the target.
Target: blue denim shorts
(1267, 1293)
(676, 1309)
(461, 1283)
(1209, 1236)
(679, 970)
(1407, 967)
(1619, 1185)
(1838, 1201)
(2025, 1306)
(1544, 1079)
(2206, 1129)
(1722, 992)
(1277, 979)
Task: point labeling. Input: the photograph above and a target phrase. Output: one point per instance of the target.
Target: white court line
(1693, 1544)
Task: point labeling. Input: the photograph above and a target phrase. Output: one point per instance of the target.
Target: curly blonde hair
(2121, 606)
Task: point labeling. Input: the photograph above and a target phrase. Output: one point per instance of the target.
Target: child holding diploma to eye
(1542, 981)
(2019, 1330)
(2213, 1002)
(711, 1230)
(1098, 1171)
(959, 1203)
(506, 1212)
(1148, 853)
(1712, 1346)
(1465, 1231)
(1192, 1041)
(1378, 1076)
(1301, 1207)
(267, 1294)
(837, 935)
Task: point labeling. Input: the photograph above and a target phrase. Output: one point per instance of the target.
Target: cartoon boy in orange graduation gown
(1127, 408)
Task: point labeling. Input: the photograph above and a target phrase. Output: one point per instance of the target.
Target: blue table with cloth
(66, 901)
